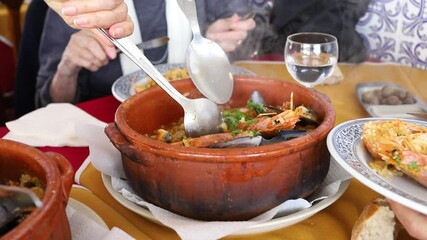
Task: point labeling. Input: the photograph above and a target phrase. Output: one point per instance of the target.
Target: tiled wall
(396, 31)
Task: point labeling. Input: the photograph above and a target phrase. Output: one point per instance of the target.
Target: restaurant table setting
(101, 159)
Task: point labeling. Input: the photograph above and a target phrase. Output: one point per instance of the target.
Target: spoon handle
(136, 55)
(189, 9)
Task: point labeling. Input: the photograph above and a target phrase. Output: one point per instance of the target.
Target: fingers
(84, 50)
(76, 7)
(413, 221)
(229, 40)
(84, 14)
(245, 25)
(229, 33)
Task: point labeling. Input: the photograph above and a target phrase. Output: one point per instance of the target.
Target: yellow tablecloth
(334, 222)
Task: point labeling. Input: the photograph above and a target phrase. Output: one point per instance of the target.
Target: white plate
(273, 224)
(345, 145)
(122, 87)
(87, 211)
(381, 110)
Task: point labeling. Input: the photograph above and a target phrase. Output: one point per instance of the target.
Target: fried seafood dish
(400, 145)
(252, 125)
(171, 75)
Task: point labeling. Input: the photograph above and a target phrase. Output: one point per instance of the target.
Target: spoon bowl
(14, 201)
(198, 122)
(201, 116)
(207, 63)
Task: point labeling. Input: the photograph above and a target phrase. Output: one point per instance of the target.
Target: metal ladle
(14, 201)
(206, 61)
(201, 116)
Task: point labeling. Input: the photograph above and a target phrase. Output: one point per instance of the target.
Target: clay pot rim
(237, 154)
(53, 187)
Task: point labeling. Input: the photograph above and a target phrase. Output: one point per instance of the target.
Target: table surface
(334, 222)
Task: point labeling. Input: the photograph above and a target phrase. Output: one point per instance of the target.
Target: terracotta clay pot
(49, 221)
(220, 184)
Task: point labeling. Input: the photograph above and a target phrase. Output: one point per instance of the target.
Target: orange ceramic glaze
(220, 184)
(49, 221)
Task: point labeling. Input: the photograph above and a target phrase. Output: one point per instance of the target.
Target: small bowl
(220, 184)
(50, 220)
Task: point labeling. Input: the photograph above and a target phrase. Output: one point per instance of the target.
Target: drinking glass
(311, 57)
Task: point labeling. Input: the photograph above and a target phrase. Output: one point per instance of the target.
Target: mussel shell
(242, 142)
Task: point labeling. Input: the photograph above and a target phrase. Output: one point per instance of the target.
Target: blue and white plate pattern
(122, 88)
(345, 145)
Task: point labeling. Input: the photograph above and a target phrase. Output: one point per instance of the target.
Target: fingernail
(118, 32)
(69, 10)
(80, 21)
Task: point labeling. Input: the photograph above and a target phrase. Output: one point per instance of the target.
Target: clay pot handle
(119, 141)
(66, 171)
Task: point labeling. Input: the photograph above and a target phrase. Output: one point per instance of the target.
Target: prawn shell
(396, 142)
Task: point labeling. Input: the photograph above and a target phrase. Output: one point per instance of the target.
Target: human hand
(87, 14)
(413, 221)
(230, 32)
(84, 50)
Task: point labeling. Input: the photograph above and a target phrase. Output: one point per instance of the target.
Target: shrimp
(400, 144)
(270, 126)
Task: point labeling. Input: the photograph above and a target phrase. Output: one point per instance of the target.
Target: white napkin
(53, 125)
(189, 229)
(335, 78)
(102, 153)
(84, 228)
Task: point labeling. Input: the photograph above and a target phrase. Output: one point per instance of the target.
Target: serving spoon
(201, 115)
(207, 63)
(15, 201)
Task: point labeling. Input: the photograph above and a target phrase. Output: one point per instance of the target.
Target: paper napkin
(53, 125)
(102, 153)
(190, 229)
(84, 228)
(335, 78)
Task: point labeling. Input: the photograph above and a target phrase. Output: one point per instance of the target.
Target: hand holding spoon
(201, 116)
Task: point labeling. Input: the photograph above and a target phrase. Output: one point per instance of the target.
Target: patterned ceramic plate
(123, 88)
(345, 145)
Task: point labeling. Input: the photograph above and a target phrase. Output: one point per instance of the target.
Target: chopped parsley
(233, 118)
(395, 156)
(257, 107)
(413, 165)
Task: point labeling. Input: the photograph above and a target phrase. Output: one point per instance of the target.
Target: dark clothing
(336, 17)
(152, 20)
(28, 59)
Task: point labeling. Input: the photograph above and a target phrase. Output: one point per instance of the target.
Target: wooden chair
(14, 7)
(7, 76)
(28, 58)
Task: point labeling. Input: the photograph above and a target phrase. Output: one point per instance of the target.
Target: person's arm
(414, 222)
(83, 51)
(58, 54)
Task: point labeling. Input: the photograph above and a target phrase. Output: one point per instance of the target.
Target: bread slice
(377, 221)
